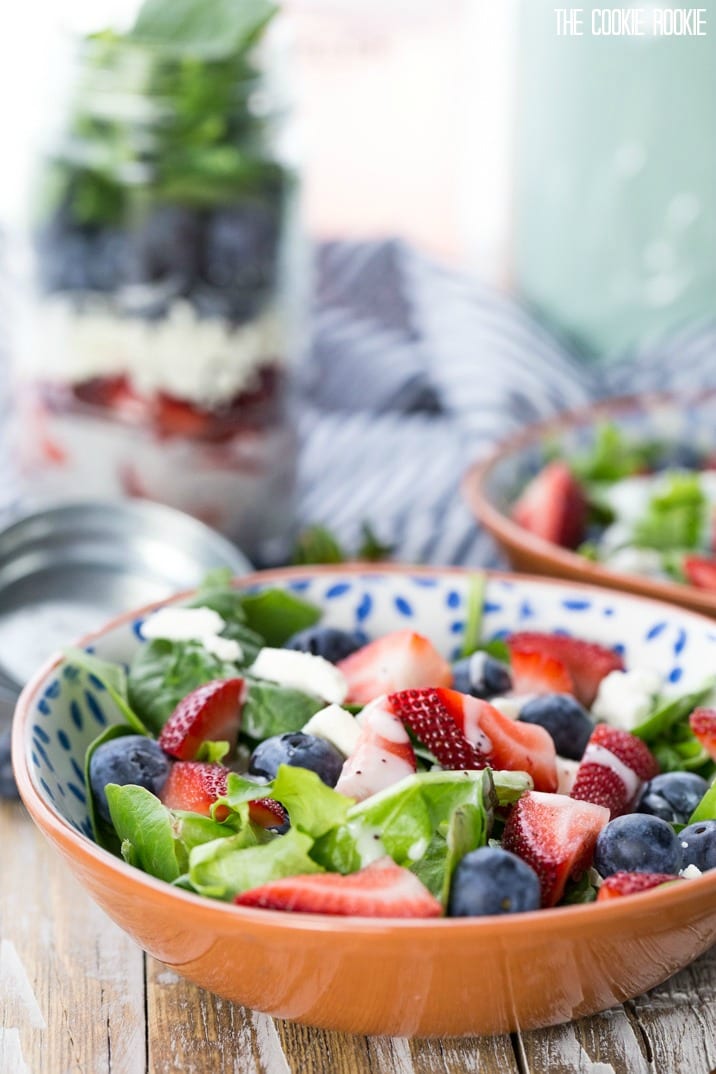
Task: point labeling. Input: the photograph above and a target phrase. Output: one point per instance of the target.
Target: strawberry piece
(703, 724)
(586, 661)
(553, 506)
(383, 753)
(176, 417)
(556, 836)
(466, 732)
(618, 884)
(534, 672)
(613, 769)
(268, 813)
(700, 571)
(382, 889)
(436, 717)
(212, 712)
(194, 786)
(399, 661)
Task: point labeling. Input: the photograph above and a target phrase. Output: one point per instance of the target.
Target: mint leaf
(270, 709)
(204, 29)
(276, 615)
(317, 545)
(146, 831)
(226, 867)
(163, 672)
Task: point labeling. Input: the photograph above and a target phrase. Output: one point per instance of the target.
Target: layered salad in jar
(163, 318)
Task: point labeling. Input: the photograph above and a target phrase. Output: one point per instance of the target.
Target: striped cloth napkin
(416, 372)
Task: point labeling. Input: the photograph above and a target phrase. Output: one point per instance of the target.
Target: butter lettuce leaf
(145, 828)
(225, 867)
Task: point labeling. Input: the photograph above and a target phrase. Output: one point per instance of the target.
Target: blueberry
(299, 750)
(128, 759)
(481, 675)
(331, 644)
(241, 247)
(169, 245)
(637, 843)
(493, 881)
(567, 721)
(698, 843)
(673, 796)
(8, 787)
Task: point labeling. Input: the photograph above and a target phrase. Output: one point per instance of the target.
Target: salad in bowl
(318, 753)
(622, 493)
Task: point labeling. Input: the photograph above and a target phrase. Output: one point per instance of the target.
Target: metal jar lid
(64, 571)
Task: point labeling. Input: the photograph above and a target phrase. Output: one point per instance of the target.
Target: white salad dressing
(600, 755)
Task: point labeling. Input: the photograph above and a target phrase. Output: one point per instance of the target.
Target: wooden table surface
(79, 997)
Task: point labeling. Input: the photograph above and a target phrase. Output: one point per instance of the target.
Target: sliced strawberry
(703, 724)
(534, 672)
(399, 661)
(556, 836)
(383, 753)
(195, 786)
(700, 571)
(382, 889)
(586, 661)
(211, 713)
(466, 732)
(268, 813)
(553, 506)
(176, 417)
(613, 769)
(618, 884)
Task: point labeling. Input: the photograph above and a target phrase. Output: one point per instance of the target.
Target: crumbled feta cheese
(691, 872)
(192, 624)
(625, 698)
(183, 624)
(227, 649)
(336, 726)
(417, 849)
(301, 671)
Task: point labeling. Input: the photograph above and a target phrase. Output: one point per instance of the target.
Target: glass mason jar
(165, 307)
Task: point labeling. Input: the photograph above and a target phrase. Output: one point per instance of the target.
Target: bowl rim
(508, 533)
(226, 915)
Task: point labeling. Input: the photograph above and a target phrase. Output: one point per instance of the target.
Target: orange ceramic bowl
(492, 486)
(409, 978)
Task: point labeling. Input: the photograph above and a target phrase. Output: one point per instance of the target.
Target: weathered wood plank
(678, 1019)
(471, 1055)
(608, 1043)
(195, 1032)
(71, 982)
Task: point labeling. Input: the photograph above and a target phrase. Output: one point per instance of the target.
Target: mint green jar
(615, 189)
